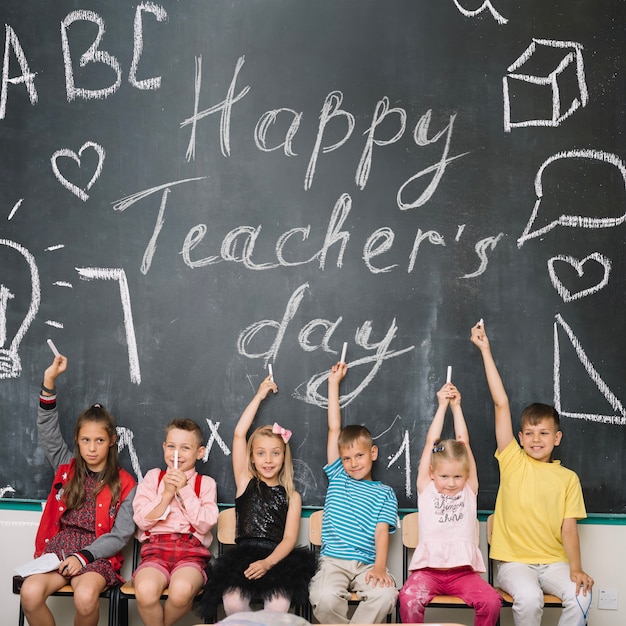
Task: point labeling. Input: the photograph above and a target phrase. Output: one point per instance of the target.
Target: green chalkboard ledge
(599, 519)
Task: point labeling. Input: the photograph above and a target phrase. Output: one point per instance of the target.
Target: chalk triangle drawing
(620, 417)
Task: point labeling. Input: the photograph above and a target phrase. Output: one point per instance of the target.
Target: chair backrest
(315, 528)
(410, 530)
(226, 527)
(489, 529)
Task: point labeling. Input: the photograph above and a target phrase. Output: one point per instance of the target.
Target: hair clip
(97, 405)
(439, 448)
(283, 432)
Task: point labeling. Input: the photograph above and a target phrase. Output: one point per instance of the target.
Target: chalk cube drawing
(560, 83)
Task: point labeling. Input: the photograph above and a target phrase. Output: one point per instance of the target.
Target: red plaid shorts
(171, 551)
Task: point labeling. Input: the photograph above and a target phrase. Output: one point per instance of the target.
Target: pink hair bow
(283, 432)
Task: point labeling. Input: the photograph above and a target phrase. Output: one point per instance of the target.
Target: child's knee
(86, 600)
(235, 602)
(325, 603)
(278, 603)
(31, 594)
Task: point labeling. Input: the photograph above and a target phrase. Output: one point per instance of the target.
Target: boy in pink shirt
(174, 510)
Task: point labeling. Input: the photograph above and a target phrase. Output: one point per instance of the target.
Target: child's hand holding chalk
(53, 348)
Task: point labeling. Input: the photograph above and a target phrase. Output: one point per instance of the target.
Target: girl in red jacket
(88, 518)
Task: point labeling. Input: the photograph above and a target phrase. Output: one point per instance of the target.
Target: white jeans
(527, 584)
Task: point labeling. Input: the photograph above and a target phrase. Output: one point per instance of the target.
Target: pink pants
(424, 584)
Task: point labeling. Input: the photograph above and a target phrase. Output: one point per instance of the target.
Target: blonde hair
(450, 450)
(285, 476)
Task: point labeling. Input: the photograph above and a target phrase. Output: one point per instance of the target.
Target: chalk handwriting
(308, 390)
(123, 203)
(304, 478)
(118, 274)
(225, 108)
(66, 152)
(486, 5)
(610, 397)
(152, 244)
(92, 55)
(16, 206)
(214, 437)
(570, 220)
(125, 440)
(331, 111)
(161, 15)
(579, 265)
(10, 363)
(489, 243)
(26, 77)
(550, 83)
(404, 450)
(7, 489)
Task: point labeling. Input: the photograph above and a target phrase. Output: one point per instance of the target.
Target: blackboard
(192, 190)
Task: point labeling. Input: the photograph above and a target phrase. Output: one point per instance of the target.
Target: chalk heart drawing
(67, 153)
(578, 265)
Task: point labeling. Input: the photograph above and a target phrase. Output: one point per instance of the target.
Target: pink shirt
(448, 531)
(199, 512)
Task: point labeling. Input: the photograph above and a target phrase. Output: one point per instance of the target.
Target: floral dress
(78, 531)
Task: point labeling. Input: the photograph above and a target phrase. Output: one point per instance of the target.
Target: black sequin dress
(261, 517)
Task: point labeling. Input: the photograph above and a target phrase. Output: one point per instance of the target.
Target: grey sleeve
(50, 437)
(123, 529)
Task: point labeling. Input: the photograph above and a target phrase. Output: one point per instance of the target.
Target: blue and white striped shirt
(351, 511)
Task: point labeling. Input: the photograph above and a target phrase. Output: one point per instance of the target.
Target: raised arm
(504, 424)
(240, 459)
(336, 375)
(432, 436)
(50, 437)
(461, 433)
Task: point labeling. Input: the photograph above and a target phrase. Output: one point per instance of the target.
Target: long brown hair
(74, 494)
(285, 476)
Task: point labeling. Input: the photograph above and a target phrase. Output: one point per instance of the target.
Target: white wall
(603, 552)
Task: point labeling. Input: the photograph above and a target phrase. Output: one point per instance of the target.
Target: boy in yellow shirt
(535, 537)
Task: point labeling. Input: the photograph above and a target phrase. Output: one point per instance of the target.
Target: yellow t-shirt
(533, 500)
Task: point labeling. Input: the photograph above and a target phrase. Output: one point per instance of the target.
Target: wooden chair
(226, 533)
(410, 540)
(68, 592)
(315, 541)
(549, 600)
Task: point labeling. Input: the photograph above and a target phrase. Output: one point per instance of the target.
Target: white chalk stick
(53, 348)
(480, 323)
(449, 375)
(343, 352)
(175, 459)
(270, 371)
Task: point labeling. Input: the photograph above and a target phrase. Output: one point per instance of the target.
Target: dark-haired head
(537, 412)
(74, 494)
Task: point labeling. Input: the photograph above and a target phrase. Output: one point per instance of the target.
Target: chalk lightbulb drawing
(10, 363)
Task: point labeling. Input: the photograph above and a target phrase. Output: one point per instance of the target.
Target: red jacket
(105, 517)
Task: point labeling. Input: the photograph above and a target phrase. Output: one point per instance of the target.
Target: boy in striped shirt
(359, 514)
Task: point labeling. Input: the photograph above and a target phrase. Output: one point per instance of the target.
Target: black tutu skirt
(289, 577)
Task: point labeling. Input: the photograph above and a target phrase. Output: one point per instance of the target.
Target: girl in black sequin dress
(265, 563)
